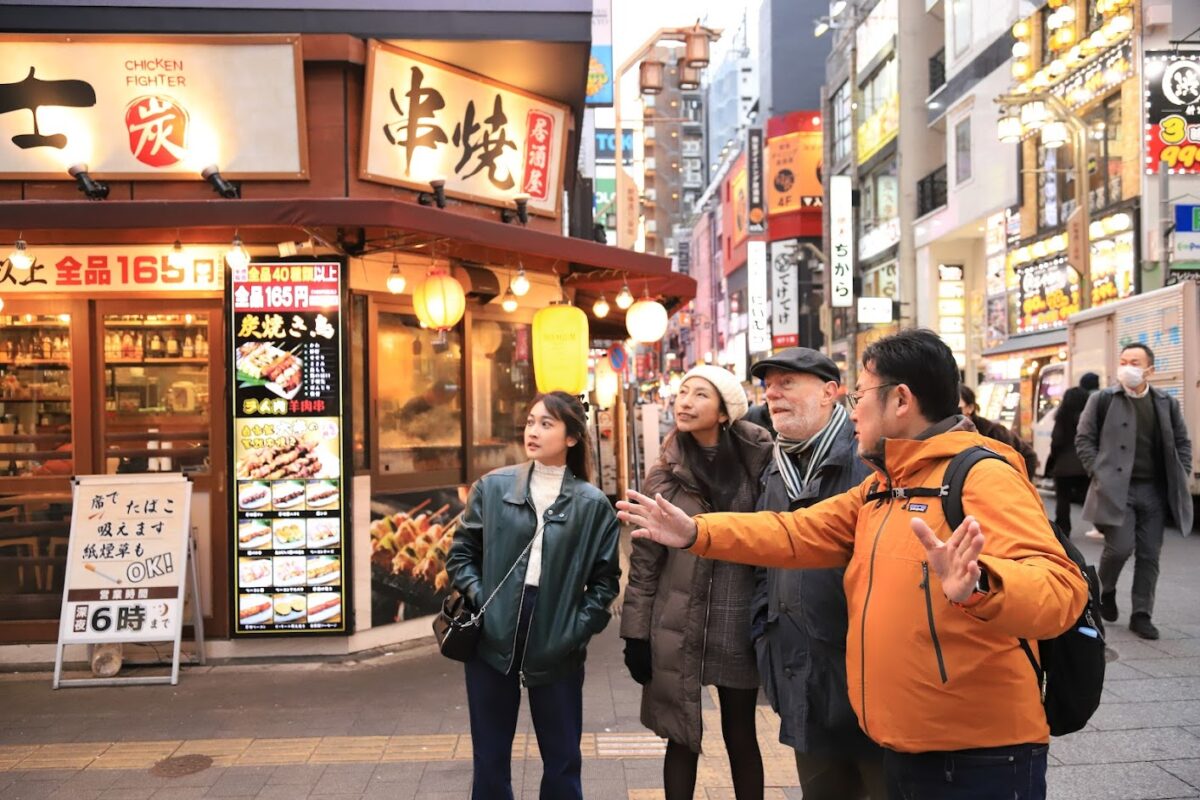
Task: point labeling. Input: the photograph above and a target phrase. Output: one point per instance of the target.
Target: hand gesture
(657, 519)
(956, 560)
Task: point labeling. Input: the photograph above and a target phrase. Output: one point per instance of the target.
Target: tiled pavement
(395, 726)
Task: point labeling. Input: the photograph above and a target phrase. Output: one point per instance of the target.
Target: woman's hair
(568, 410)
(719, 477)
(967, 395)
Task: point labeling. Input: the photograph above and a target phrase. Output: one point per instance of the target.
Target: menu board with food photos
(290, 514)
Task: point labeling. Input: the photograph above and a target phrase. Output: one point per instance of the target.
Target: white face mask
(1131, 377)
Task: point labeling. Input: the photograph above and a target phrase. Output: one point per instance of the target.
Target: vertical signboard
(758, 297)
(785, 295)
(841, 242)
(756, 208)
(289, 508)
(1173, 111)
(600, 63)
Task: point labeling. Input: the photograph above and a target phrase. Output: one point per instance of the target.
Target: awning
(1029, 341)
(358, 227)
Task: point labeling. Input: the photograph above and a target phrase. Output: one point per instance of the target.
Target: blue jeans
(993, 773)
(494, 699)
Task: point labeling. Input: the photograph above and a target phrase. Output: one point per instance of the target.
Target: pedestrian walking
(994, 430)
(936, 673)
(686, 620)
(1133, 443)
(799, 615)
(562, 536)
(1063, 464)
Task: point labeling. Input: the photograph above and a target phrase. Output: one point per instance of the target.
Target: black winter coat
(1064, 461)
(800, 624)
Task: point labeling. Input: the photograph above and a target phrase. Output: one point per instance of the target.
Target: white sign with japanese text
(758, 297)
(490, 143)
(841, 242)
(142, 107)
(785, 295)
(94, 269)
(126, 560)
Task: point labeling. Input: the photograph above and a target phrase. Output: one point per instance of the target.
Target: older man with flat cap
(799, 615)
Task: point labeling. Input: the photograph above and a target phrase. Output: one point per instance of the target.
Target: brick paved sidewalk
(396, 726)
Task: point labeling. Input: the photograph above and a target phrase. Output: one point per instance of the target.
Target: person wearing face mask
(686, 621)
(545, 540)
(799, 615)
(1133, 443)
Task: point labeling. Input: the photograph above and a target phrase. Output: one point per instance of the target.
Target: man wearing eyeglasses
(935, 671)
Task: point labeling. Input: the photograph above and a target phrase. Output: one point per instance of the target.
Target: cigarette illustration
(92, 568)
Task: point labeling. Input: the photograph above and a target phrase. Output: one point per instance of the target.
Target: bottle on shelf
(127, 348)
(201, 346)
(139, 347)
(172, 344)
(189, 347)
(10, 349)
(156, 346)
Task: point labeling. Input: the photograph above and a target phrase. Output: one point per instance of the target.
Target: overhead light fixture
(91, 188)
(689, 77)
(519, 284)
(625, 298)
(1020, 49)
(821, 27)
(438, 196)
(20, 257)
(230, 191)
(509, 301)
(1008, 128)
(1021, 29)
(521, 201)
(600, 308)
(837, 8)
(177, 258)
(395, 280)
(650, 76)
(695, 47)
(1054, 134)
(1033, 116)
(237, 255)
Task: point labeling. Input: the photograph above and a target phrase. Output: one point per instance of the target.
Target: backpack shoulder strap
(1102, 403)
(956, 477)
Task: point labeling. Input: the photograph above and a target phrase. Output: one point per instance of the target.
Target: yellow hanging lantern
(560, 349)
(608, 383)
(439, 300)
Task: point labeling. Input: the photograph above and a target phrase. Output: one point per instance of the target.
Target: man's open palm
(956, 560)
(657, 519)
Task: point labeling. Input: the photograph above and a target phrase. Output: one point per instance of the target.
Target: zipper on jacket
(521, 605)
(937, 646)
(862, 646)
(525, 649)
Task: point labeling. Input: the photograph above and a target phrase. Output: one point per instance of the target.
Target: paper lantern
(488, 337)
(439, 301)
(608, 383)
(560, 349)
(646, 321)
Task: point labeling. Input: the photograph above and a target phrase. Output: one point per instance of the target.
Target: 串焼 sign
(490, 143)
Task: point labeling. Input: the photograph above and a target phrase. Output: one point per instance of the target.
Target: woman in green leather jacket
(561, 533)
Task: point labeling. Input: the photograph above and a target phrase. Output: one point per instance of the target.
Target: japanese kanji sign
(288, 508)
(785, 294)
(794, 172)
(93, 269)
(841, 242)
(758, 297)
(145, 108)
(1173, 111)
(425, 120)
(126, 559)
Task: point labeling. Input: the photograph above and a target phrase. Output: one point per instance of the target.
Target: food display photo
(324, 570)
(322, 495)
(289, 534)
(324, 607)
(254, 534)
(254, 572)
(287, 449)
(255, 609)
(254, 496)
(289, 608)
(324, 532)
(289, 571)
(411, 536)
(268, 364)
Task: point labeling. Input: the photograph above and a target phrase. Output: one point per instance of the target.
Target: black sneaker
(1108, 606)
(1142, 626)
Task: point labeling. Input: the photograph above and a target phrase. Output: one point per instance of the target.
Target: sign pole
(197, 610)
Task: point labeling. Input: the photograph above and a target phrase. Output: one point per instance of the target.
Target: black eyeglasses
(852, 399)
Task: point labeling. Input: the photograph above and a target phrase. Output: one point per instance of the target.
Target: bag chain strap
(479, 614)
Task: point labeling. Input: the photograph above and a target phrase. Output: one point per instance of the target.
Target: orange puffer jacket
(926, 674)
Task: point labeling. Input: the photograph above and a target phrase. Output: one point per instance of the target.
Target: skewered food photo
(266, 364)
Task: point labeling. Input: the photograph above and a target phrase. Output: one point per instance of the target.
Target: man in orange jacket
(936, 674)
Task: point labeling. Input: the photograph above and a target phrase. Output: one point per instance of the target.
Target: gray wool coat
(1107, 455)
(666, 600)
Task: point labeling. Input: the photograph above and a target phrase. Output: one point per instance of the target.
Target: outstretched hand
(657, 519)
(956, 560)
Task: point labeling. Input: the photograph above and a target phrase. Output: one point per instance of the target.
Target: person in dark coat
(760, 415)
(799, 616)
(994, 430)
(1070, 480)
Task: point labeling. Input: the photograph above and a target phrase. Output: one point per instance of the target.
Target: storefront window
(960, 11)
(419, 377)
(842, 130)
(962, 151)
(156, 392)
(35, 395)
(1104, 153)
(502, 386)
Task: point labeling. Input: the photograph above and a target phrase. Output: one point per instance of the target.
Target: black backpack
(1071, 674)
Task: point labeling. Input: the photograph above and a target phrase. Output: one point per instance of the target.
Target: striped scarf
(817, 446)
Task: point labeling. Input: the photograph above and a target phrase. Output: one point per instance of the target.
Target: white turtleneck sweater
(544, 487)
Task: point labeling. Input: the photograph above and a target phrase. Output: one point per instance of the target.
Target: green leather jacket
(581, 572)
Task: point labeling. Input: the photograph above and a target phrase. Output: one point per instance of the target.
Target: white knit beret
(731, 390)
